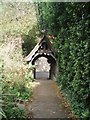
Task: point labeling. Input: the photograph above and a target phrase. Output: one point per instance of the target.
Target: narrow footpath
(46, 102)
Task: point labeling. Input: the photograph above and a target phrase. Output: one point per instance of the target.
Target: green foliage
(2, 113)
(48, 14)
(70, 22)
(14, 88)
(16, 19)
(29, 40)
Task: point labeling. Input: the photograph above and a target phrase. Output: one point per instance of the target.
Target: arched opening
(42, 68)
(43, 49)
(52, 65)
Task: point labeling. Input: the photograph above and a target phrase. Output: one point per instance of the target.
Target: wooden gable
(43, 47)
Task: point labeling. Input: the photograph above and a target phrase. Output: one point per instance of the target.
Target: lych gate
(44, 49)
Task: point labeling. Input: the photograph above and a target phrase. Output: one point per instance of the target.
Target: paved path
(42, 75)
(46, 103)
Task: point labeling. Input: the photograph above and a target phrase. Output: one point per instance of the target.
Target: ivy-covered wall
(70, 22)
(74, 72)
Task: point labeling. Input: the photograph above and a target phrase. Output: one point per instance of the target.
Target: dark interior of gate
(51, 61)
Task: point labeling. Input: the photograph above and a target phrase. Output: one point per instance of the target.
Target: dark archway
(51, 61)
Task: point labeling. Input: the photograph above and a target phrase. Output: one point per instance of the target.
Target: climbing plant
(70, 22)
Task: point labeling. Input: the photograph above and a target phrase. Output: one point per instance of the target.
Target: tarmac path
(47, 103)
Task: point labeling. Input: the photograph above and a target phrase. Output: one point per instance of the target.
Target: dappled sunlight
(28, 85)
(35, 84)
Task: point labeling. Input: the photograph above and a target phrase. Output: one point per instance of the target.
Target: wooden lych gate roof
(42, 49)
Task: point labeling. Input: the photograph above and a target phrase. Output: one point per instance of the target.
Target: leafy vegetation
(17, 20)
(70, 23)
(29, 40)
(14, 88)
